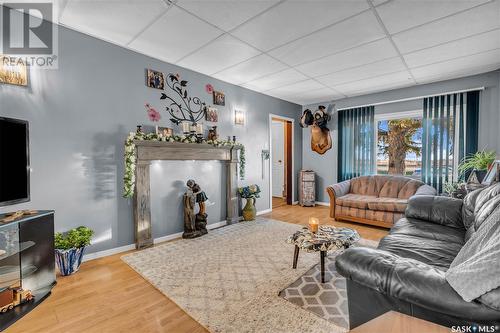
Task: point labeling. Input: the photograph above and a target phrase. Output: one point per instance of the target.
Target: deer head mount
(321, 141)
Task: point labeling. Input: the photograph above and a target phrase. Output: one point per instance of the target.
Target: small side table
(327, 238)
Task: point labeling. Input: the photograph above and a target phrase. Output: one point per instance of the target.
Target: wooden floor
(278, 202)
(108, 296)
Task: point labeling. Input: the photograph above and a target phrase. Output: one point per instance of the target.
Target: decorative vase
(249, 211)
(69, 261)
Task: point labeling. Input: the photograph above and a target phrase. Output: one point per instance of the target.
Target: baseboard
(105, 253)
(265, 211)
(321, 203)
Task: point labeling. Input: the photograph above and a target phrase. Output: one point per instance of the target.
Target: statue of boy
(189, 217)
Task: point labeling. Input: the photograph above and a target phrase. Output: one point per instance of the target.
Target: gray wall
(489, 119)
(80, 116)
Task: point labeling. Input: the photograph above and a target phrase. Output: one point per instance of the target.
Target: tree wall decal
(182, 107)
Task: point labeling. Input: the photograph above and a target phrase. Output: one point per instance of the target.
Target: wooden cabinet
(307, 188)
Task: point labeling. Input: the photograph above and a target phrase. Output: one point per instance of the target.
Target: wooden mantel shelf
(148, 151)
(159, 150)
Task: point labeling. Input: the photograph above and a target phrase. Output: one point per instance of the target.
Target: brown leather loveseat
(378, 200)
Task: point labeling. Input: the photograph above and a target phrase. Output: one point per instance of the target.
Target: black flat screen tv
(14, 161)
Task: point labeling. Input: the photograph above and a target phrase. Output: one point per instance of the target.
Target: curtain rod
(411, 98)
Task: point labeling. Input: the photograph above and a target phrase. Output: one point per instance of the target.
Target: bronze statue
(194, 225)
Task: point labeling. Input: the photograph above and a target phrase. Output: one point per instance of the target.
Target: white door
(278, 162)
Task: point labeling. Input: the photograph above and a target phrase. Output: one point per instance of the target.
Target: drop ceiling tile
(380, 83)
(399, 15)
(221, 53)
(463, 47)
(474, 21)
(365, 54)
(460, 65)
(225, 14)
(363, 72)
(114, 21)
(251, 69)
(277, 80)
(165, 40)
(293, 19)
(304, 93)
(429, 78)
(358, 30)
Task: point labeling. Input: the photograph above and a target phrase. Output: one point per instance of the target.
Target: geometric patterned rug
(229, 280)
(327, 300)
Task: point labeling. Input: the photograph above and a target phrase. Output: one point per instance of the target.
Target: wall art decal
(155, 79)
(181, 106)
(13, 71)
(209, 89)
(153, 115)
(211, 114)
(219, 98)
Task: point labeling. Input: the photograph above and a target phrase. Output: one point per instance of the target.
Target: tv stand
(27, 259)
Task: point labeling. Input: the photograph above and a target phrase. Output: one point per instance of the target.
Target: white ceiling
(304, 51)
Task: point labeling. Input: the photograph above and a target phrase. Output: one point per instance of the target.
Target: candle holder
(313, 225)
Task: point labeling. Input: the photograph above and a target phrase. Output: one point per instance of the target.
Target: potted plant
(477, 163)
(250, 193)
(455, 190)
(69, 248)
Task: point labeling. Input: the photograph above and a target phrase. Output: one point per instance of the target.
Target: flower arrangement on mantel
(130, 155)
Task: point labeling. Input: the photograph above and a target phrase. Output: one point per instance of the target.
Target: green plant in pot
(478, 163)
(70, 247)
(250, 193)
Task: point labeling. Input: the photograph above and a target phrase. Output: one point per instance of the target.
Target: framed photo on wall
(493, 174)
(211, 114)
(13, 71)
(155, 79)
(219, 98)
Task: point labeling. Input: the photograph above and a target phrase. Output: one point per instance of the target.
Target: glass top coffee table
(327, 238)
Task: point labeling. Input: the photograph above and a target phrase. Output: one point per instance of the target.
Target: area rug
(230, 279)
(326, 300)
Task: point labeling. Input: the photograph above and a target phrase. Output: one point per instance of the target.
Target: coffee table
(327, 238)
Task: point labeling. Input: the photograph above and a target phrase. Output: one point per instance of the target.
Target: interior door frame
(286, 119)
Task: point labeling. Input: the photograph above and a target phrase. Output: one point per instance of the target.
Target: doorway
(281, 161)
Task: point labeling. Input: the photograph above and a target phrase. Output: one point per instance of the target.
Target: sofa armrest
(441, 210)
(335, 191)
(426, 190)
(408, 280)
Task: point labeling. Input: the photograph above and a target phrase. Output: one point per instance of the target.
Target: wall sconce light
(239, 117)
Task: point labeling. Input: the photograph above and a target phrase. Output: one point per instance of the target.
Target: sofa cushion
(410, 188)
(434, 252)
(392, 186)
(381, 216)
(350, 211)
(388, 204)
(355, 200)
(365, 185)
(429, 230)
(476, 269)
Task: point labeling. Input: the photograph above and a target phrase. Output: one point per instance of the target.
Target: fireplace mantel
(148, 151)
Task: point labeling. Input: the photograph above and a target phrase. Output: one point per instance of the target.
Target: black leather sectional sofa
(406, 273)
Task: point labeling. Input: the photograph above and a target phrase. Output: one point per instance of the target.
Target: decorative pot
(69, 261)
(249, 211)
